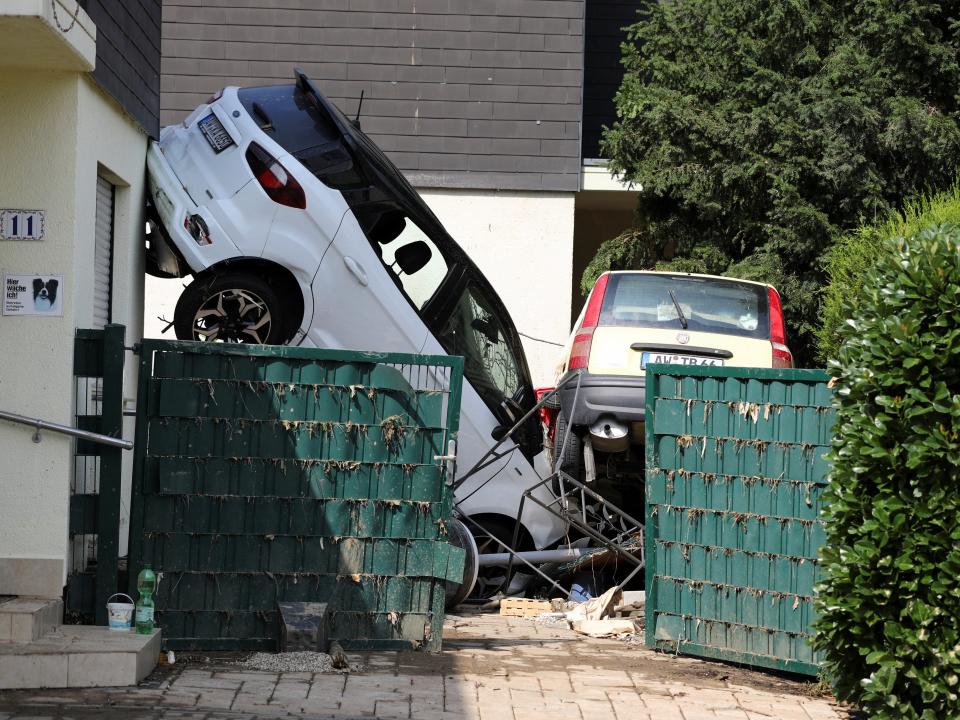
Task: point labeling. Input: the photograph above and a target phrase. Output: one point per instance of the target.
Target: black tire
(492, 578)
(566, 458)
(460, 537)
(233, 307)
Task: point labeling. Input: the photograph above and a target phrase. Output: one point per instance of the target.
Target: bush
(889, 603)
(853, 253)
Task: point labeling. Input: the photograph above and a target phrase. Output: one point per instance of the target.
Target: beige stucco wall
(38, 140)
(113, 144)
(523, 243)
(55, 128)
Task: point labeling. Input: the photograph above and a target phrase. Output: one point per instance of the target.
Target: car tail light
(548, 415)
(580, 351)
(782, 357)
(279, 185)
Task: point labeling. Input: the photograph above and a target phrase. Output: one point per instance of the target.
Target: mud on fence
(735, 474)
(276, 474)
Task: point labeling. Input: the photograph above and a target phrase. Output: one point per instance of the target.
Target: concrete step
(79, 656)
(25, 619)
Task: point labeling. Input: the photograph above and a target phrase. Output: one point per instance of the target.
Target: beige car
(635, 318)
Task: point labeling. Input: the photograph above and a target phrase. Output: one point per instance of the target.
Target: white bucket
(120, 614)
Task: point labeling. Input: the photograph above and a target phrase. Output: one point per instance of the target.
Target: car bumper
(622, 396)
(173, 206)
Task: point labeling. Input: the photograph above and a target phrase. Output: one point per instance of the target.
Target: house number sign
(21, 224)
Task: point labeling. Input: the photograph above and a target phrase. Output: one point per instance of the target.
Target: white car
(297, 229)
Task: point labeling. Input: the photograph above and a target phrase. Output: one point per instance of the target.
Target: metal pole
(536, 556)
(482, 462)
(505, 587)
(66, 430)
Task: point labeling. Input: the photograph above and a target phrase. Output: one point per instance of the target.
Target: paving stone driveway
(491, 668)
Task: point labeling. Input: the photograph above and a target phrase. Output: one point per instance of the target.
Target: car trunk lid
(648, 318)
(209, 155)
(627, 350)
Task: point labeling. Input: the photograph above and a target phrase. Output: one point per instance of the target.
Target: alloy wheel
(233, 315)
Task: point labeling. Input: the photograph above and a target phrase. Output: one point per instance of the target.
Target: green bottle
(146, 586)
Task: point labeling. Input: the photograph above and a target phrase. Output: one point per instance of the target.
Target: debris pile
(615, 613)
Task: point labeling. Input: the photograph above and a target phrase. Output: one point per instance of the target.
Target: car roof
(687, 274)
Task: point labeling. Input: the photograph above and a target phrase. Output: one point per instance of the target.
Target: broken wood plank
(604, 628)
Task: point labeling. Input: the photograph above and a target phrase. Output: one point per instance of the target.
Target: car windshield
(475, 331)
(705, 304)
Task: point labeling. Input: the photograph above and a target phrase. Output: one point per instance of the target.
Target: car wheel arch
(279, 277)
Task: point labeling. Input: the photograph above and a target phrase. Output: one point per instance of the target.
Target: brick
(208, 683)
(662, 709)
(527, 698)
(392, 709)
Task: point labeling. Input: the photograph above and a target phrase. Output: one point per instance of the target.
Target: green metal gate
(98, 357)
(277, 474)
(735, 473)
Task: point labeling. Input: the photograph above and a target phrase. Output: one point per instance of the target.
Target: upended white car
(297, 229)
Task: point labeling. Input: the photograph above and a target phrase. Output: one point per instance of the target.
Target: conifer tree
(759, 130)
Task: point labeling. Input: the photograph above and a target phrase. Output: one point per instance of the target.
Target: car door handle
(357, 269)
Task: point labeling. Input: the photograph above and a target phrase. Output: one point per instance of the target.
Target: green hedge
(854, 252)
(890, 601)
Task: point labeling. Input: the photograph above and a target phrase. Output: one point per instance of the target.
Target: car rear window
(290, 117)
(708, 304)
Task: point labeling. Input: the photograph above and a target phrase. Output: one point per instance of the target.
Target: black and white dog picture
(45, 295)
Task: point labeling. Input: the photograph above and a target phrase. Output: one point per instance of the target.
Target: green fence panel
(275, 474)
(734, 479)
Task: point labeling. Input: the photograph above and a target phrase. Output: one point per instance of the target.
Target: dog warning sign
(33, 295)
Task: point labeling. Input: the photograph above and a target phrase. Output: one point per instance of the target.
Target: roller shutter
(103, 254)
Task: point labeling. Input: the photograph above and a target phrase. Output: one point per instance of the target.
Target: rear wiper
(683, 320)
(266, 123)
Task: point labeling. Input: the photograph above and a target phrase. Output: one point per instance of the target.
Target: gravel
(551, 619)
(314, 662)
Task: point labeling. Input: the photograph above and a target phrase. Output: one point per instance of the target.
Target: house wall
(128, 55)
(56, 130)
(602, 71)
(459, 93)
(112, 144)
(38, 147)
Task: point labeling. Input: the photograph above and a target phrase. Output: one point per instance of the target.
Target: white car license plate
(215, 133)
(650, 358)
